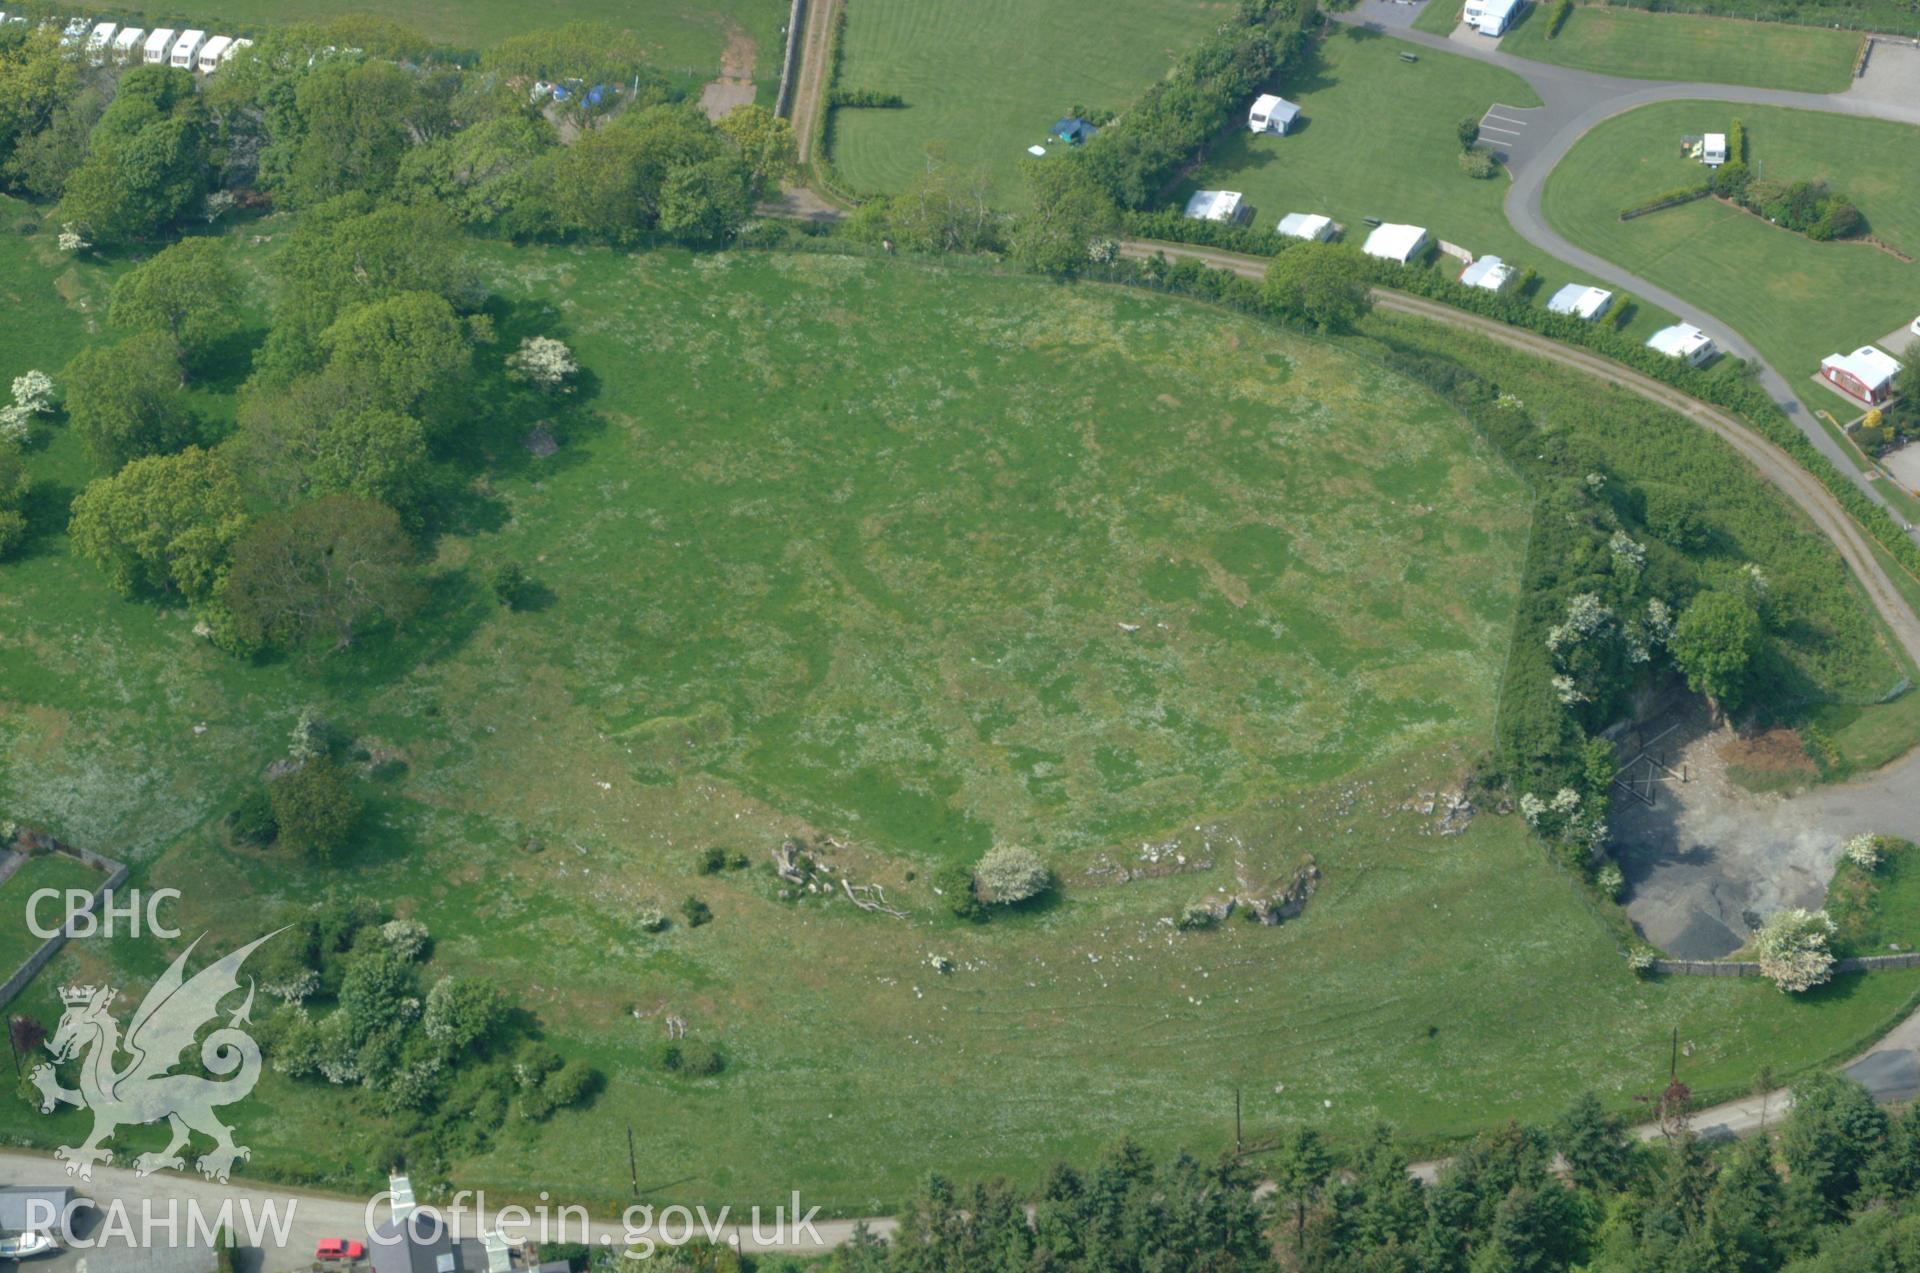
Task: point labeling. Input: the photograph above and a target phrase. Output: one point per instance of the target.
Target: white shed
(1214, 205)
(1683, 341)
(126, 45)
(1392, 242)
(1306, 225)
(1488, 273)
(186, 49)
(213, 52)
(159, 44)
(1581, 301)
(1272, 114)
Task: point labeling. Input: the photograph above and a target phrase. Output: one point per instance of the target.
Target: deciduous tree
(125, 400)
(1321, 284)
(316, 810)
(189, 291)
(314, 576)
(165, 523)
(1068, 210)
(1714, 644)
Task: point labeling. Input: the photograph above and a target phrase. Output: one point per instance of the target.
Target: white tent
(1685, 342)
(1393, 242)
(1581, 301)
(1214, 205)
(1306, 225)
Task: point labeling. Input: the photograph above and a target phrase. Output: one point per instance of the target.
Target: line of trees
(1834, 1189)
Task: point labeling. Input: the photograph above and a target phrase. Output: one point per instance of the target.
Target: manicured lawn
(1689, 48)
(844, 546)
(1795, 299)
(984, 79)
(686, 36)
(1379, 141)
(47, 871)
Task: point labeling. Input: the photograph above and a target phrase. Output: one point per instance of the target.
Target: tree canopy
(166, 523)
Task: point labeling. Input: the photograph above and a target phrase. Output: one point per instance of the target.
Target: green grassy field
(1795, 299)
(51, 870)
(686, 36)
(985, 79)
(843, 546)
(1689, 48)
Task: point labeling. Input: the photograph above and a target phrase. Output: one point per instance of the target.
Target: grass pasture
(1797, 300)
(984, 79)
(685, 36)
(842, 545)
(47, 871)
(1688, 48)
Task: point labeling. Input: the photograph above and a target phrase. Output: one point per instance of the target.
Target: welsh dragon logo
(143, 1090)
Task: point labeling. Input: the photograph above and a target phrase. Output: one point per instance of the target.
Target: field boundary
(790, 61)
(30, 843)
(1747, 968)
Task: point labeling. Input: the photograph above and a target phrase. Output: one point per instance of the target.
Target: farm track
(1772, 463)
(816, 67)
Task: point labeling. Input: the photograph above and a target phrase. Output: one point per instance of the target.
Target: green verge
(1687, 48)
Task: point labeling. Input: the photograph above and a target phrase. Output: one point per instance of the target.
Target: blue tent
(1073, 130)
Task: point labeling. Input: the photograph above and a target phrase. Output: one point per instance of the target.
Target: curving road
(1574, 102)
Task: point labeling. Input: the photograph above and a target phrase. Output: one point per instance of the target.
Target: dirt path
(734, 87)
(810, 92)
(1772, 463)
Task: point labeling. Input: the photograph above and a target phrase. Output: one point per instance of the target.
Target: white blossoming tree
(545, 362)
(1864, 851)
(32, 396)
(1791, 948)
(1009, 873)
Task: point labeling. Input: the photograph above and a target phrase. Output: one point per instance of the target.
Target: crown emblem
(80, 996)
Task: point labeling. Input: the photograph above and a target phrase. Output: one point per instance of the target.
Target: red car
(340, 1249)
